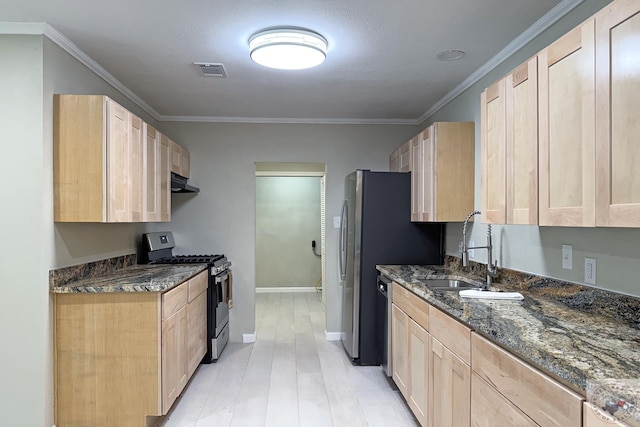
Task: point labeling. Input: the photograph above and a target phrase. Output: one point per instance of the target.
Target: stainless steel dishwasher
(385, 287)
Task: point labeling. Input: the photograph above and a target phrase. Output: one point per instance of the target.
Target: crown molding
(550, 18)
(44, 29)
(271, 120)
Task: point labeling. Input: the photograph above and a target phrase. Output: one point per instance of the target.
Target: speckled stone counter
(136, 278)
(572, 332)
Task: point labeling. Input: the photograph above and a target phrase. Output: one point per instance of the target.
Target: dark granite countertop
(572, 332)
(135, 278)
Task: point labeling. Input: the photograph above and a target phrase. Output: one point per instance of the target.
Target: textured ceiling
(381, 61)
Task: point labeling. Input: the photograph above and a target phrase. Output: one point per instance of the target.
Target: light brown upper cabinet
(96, 159)
(109, 165)
(617, 124)
(521, 96)
(509, 157)
(157, 183)
(404, 156)
(493, 151)
(152, 151)
(180, 160)
(417, 176)
(443, 173)
(566, 73)
(137, 167)
(165, 179)
(394, 161)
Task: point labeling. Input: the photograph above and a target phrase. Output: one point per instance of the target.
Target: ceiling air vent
(211, 70)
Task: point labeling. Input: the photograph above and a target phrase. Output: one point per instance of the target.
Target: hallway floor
(291, 376)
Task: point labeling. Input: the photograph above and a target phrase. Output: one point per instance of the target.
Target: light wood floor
(291, 376)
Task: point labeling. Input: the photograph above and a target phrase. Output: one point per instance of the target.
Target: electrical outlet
(567, 257)
(472, 252)
(336, 222)
(590, 271)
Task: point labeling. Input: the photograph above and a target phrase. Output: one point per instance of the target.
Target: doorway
(290, 232)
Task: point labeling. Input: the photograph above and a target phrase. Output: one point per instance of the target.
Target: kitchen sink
(447, 284)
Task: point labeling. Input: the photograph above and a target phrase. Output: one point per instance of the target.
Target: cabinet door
(197, 331)
(490, 408)
(185, 168)
(176, 158)
(118, 164)
(418, 391)
(450, 388)
(136, 136)
(174, 357)
(567, 129)
(151, 177)
(400, 348)
(617, 124)
(417, 178)
(453, 169)
(493, 156)
(405, 157)
(164, 179)
(521, 96)
(394, 161)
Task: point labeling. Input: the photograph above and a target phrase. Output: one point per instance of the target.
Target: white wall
(535, 249)
(287, 220)
(221, 218)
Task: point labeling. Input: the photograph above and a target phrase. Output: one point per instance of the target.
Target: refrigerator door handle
(343, 242)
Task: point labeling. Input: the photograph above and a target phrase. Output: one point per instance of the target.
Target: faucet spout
(492, 267)
(465, 249)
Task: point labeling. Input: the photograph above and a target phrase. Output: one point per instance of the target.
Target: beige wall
(287, 220)
(33, 69)
(25, 359)
(534, 249)
(221, 218)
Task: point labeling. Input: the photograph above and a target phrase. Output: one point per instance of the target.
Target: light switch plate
(336, 222)
(472, 252)
(590, 271)
(567, 257)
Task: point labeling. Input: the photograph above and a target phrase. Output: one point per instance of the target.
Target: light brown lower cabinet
(453, 377)
(419, 351)
(450, 388)
(120, 357)
(400, 348)
(491, 409)
(541, 398)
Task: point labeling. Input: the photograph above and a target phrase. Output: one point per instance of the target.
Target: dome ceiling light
(288, 48)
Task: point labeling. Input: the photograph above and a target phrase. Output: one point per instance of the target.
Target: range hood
(179, 184)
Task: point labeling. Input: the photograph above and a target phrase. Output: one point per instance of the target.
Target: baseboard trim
(285, 289)
(248, 338)
(332, 336)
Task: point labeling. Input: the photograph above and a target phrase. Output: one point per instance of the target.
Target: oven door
(222, 282)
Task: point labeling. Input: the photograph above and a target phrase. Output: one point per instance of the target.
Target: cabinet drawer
(413, 305)
(488, 407)
(453, 334)
(174, 300)
(197, 285)
(543, 399)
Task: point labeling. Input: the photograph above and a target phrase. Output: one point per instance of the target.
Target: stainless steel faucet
(492, 268)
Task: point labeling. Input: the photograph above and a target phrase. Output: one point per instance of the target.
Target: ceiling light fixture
(450, 55)
(288, 48)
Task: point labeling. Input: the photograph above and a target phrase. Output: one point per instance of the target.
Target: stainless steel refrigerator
(376, 228)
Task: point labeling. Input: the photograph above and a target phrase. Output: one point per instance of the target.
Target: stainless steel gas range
(157, 248)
